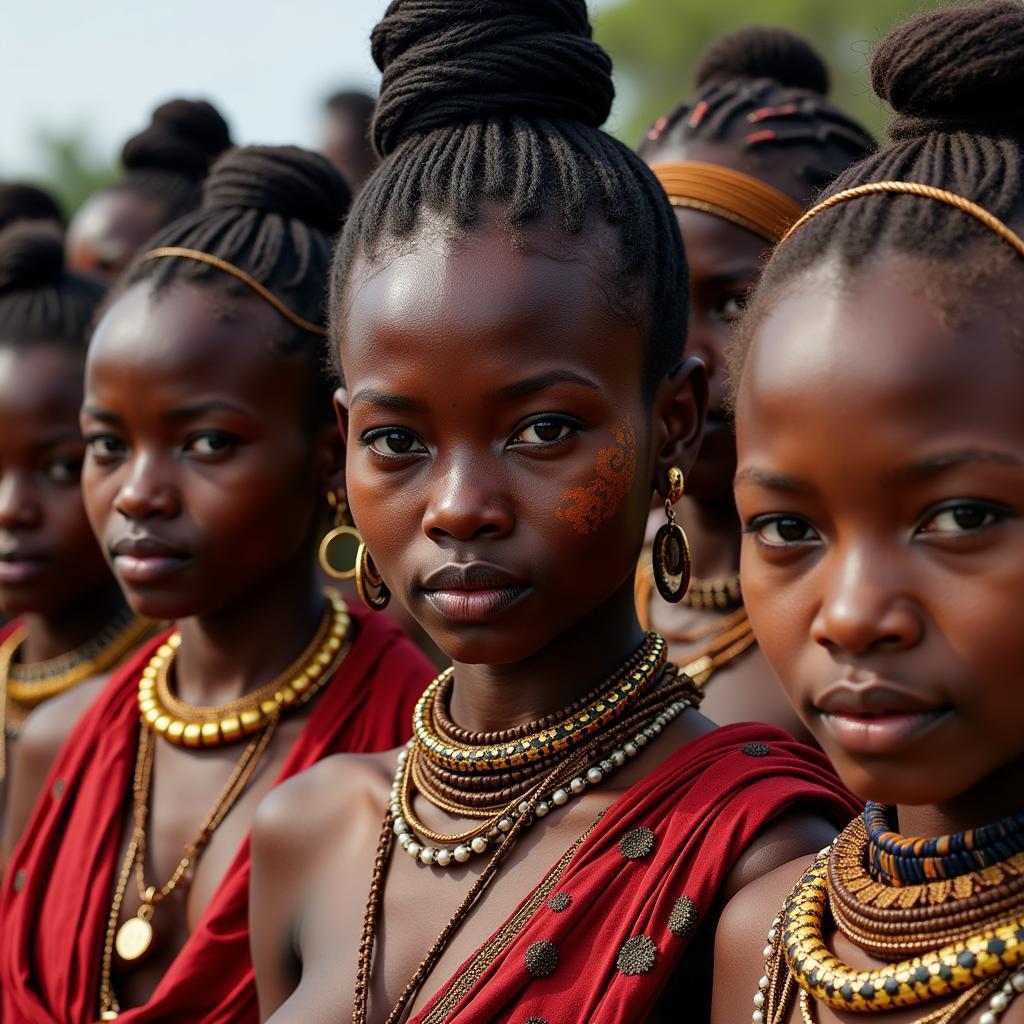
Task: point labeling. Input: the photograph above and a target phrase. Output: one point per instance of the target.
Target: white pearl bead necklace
(443, 857)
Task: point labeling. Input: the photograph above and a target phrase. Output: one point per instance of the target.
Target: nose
(146, 493)
(865, 608)
(465, 505)
(19, 505)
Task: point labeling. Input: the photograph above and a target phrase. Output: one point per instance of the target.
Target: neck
(487, 698)
(49, 636)
(243, 646)
(995, 797)
(713, 527)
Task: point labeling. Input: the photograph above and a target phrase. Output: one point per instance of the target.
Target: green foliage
(655, 43)
(71, 169)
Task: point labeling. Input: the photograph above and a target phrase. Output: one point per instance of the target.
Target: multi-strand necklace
(23, 687)
(719, 644)
(254, 717)
(945, 915)
(503, 782)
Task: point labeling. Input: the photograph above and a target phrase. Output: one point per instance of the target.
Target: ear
(679, 410)
(330, 454)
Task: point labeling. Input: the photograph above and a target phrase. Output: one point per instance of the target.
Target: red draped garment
(600, 937)
(57, 889)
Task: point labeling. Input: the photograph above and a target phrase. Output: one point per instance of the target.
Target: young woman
(740, 161)
(70, 625)
(21, 201)
(164, 166)
(509, 306)
(212, 454)
(881, 487)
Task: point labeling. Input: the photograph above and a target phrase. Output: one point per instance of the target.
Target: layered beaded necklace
(506, 781)
(950, 909)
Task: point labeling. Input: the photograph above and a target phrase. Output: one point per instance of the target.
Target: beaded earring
(671, 551)
(339, 550)
(373, 591)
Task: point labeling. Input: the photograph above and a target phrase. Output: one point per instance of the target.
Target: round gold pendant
(133, 938)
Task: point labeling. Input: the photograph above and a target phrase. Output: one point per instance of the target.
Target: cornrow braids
(762, 89)
(501, 102)
(954, 78)
(39, 299)
(271, 211)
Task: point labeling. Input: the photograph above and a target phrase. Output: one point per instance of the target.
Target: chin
(164, 605)
(890, 783)
(473, 645)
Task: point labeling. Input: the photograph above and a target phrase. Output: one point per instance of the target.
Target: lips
(146, 559)
(872, 716)
(18, 565)
(473, 592)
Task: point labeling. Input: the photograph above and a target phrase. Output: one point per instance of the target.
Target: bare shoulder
(312, 808)
(742, 935)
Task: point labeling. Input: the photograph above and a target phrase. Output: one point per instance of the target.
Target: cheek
(587, 508)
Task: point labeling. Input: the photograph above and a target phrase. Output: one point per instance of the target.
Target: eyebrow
(386, 400)
(58, 439)
(725, 278)
(543, 381)
(185, 412)
(944, 462)
(772, 481)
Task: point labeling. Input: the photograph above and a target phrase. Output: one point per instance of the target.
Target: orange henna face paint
(586, 508)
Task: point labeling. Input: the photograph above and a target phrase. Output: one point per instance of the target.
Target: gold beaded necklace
(292, 689)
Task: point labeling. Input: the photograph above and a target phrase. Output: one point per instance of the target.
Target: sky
(100, 67)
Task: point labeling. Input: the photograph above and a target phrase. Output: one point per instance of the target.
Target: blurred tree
(71, 168)
(654, 44)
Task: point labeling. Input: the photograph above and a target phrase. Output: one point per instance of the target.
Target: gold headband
(913, 188)
(230, 268)
(732, 195)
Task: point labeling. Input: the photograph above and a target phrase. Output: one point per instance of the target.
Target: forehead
(39, 378)
(871, 367)
(186, 339)
(482, 302)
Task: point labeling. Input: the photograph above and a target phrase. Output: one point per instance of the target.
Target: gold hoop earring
(372, 590)
(671, 551)
(339, 550)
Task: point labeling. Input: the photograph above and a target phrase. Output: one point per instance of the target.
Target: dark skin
(201, 453)
(881, 484)
(725, 263)
(109, 230)
(459, 452)
(346, 145)
(52, 572)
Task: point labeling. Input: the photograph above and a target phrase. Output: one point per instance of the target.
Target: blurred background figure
(164, 167)
(346, 135)
(20, 201)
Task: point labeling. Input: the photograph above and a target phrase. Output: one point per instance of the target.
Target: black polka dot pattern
(756, 749)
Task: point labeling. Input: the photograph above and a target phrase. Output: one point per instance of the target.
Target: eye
(105, 448)
(547, 430)
(394, 441)
(780, 530)
(65, 471)
(211, 442)
(730, 306)
(961, 518)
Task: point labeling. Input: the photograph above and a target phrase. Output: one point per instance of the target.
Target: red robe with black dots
(57, 888)
(599, 940)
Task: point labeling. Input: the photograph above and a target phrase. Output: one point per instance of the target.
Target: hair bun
(286, 180)
(20, 201)
(185, 136)
(451, 63)
(31, 256)
(961, 68)
(773, 53)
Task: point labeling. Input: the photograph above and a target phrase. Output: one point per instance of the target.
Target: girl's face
(201, 479)
(501, 456)
(49, 559)
(881, 487)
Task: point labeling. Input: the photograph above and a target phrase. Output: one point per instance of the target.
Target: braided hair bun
(771, 53)
(293, 183)
(29, 257)
(463, 60)
(960, 68)
(38, 297)
(185, 136)
(19, 201)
